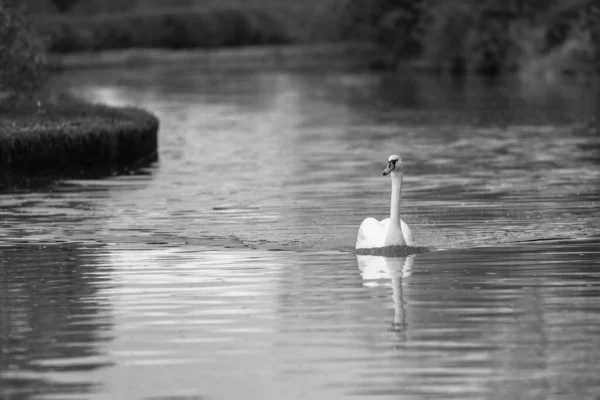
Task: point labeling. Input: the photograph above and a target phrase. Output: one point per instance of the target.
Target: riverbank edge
(296, 56)
(329, 56)
(113, 141)
(335, 56)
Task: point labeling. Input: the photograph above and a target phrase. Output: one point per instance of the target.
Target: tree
(22, 61)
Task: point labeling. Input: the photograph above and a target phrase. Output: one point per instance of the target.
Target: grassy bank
(167, 29)
(67, 138)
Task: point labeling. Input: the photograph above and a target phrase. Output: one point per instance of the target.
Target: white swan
(391, 231)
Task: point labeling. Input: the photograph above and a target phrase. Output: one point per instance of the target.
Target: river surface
(227, 270)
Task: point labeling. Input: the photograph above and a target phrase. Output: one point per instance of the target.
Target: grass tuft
(68, 138)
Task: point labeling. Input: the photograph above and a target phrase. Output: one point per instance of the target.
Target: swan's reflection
(377, 269)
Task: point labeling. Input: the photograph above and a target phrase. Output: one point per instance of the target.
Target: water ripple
(227, 269)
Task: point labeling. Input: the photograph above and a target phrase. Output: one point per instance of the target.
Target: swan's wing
(406, 233)
(371, 234)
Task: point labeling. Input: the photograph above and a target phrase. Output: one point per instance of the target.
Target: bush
(165, 29)
(22, 62)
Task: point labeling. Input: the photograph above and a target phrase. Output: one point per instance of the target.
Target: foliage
(165, 29)
(64, 5)
(392, 23)
(304, 20)
(480, 35)
(22, 62)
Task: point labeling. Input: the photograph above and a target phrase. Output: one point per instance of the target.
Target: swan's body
(372, 234)
(391, 231)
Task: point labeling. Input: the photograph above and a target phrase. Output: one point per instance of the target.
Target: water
(227, 270)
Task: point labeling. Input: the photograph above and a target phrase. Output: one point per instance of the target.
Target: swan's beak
(390, 167)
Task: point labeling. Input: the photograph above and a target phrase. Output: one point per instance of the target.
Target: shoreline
(330, 55)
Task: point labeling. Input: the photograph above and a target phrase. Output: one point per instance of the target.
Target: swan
(391, 231)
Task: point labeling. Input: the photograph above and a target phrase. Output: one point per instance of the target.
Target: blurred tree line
(22, 62)
(479, 35)
(23, 66)
(457, 35)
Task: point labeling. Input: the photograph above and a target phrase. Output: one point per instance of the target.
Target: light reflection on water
(168, 284)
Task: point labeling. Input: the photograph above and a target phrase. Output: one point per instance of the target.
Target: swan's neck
(396, 198)
(394, 235)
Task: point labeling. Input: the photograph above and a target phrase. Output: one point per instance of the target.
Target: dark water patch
(52, 320)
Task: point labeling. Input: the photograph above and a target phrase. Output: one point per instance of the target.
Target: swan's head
(394, 162)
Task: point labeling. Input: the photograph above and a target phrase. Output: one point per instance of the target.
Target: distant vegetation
(75, 25)
(490, 36)
(173, 29)
(22, 62)
(482, 35)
